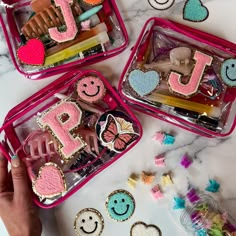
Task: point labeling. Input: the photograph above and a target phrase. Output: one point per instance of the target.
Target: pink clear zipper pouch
(43, 39)
(67, 133)
(183, 76)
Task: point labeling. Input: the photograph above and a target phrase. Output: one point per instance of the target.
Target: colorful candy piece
(85, 25)
(50, 181)
(179, 203)
(215, 231)
(201, 232)
(213, 186)
(193, 196)
(61, 119)
(163, 138)
(189, 89)
(186, 161)
(90, 89)
(160, 160)
(156, 192)
(28, 55)
(71, 28)
(147, 178)
(132, 180)
(166, 179)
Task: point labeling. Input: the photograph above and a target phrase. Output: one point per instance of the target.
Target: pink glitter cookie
(91, 89)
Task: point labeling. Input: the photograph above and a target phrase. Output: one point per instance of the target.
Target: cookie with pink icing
(61, 119)
(50, 181)
(189, 89)
(90, 89)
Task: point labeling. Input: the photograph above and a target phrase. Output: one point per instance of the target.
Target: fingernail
(15, 161)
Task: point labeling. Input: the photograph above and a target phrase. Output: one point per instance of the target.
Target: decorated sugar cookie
(141, 229)
(89, 221)
(61, 119)
(90, 89)
(191, 87)
(120, 205)
(50, 181)
(28, 55)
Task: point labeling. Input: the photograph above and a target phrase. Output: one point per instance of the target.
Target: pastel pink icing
(174, 80)
(50, 182)
(52, 119)
(159, 136)
(91, 89)
(71, 28)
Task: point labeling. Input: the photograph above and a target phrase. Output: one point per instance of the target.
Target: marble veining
(212, 158)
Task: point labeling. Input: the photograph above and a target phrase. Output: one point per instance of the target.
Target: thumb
(19, 178)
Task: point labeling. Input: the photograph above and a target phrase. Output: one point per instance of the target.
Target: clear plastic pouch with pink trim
(68, 132)
(98, 33)
(183, 76)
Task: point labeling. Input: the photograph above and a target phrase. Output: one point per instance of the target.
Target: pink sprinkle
(159, 136)
(160, 160)
(156, 192)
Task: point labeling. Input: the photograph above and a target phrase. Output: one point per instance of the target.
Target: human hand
(17, 209)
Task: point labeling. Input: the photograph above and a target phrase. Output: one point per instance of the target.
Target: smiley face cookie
(120, 205)
(228, 72)
(90, 89)
(89, 221)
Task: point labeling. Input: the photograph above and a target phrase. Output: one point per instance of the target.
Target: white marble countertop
(213, 158)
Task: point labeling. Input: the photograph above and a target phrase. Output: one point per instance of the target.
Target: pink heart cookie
(33, 53)
(50, 181)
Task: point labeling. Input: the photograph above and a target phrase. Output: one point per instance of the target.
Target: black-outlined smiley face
(89, 221)
(120, 205)
(228, 72)
(91, 89)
